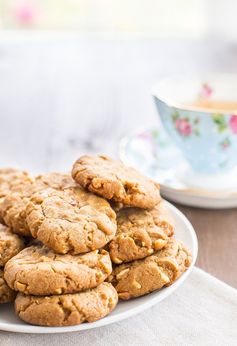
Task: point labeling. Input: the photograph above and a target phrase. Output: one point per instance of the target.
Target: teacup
(200, 116)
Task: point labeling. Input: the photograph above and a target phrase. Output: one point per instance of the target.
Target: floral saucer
(153, 154)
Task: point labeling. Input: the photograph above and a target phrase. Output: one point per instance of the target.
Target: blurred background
(76, 75)
(150, 18)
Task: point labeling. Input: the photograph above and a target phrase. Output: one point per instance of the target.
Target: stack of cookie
(74, 228)
(146, 257)
(60, 277)
(60, 290)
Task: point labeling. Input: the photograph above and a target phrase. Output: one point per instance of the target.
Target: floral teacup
(200, 115)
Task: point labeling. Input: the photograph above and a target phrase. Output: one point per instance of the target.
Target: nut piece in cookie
(13, 206)
(71, 221)
(10, 244)
(6, 294)
(11, 180)
(40, 271)
(143, 276)
(140, 233)
(113, 180)
(67, 309)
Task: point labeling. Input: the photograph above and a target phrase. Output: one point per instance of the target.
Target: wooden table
(217, 237)
(61, 97)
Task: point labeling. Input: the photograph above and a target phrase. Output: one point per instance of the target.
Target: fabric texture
(203, 311)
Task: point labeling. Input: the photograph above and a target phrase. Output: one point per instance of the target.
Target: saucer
(153, 154)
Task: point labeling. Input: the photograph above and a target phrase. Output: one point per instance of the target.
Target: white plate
(153, 154)
(184, 232)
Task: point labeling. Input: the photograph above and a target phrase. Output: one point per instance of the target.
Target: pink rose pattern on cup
(223, 125)
(187, 127)
(184, 125)
(206, 91)
(233, 123)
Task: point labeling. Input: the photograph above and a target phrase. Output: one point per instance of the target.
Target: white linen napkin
(203, 311)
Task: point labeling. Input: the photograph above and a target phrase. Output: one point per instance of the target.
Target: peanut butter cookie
(140, 277)
(10, 244)
(71, 221)
(13, 206)
(11, 180)
(115, 181)
(6, 294)
(140, 233)
(67, 309)
(39, 271)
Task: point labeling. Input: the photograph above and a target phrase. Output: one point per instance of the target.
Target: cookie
(11, 180)
(39, 271)
(140, 233)
(57, 181)
(13, 209)
(10, 244)
(115, 181)
(6, 294)
(143, 276)
(71, 221)
(67, 309)
(13, 206)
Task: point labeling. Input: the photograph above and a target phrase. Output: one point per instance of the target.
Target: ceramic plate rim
(154, 299)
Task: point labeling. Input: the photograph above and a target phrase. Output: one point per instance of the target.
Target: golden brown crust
(10, 244)
(6, 294)
(69, 309)
(71, 221)
(115, 181)
(140, 233)
(13, 206)
(39, 271)
(140, 277)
